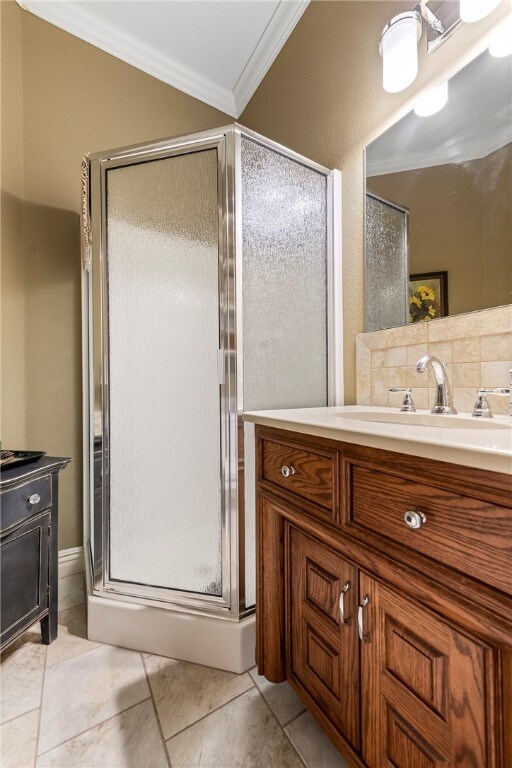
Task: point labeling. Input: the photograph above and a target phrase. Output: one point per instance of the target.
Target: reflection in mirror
(386, 263)
(451, 172)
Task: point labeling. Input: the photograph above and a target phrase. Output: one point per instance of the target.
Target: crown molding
(280, 27)
(471, 150)
(83, 24)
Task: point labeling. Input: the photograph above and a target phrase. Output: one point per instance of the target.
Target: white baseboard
(71, 561)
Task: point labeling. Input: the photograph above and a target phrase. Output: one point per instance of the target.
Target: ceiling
(215, 50)
(476, 121)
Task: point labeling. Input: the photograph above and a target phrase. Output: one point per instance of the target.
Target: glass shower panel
(284, 288)
(163, 312)
(386, 265)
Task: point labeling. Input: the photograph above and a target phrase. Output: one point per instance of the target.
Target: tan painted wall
(76, 99)
(13, 265)
(460, 220)
(323, 97)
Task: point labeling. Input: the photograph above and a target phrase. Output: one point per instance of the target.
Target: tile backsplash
(477, 348)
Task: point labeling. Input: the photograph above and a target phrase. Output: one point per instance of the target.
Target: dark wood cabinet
(471, 535)
(424, 687)
(28, 549)
(24, 568)
(323, 645)
(310, 474)
(399, 640)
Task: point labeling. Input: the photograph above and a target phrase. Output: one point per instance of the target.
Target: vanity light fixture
(474, 10)
(399, 50)
(433, 101)
(443, 18)
(501, 40)
(399, 39)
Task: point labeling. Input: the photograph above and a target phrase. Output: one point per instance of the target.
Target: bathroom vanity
(384, 582)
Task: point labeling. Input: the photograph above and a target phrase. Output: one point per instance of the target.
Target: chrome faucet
(443, 401)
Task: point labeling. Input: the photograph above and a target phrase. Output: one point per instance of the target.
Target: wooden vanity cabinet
(424, 685)
(403, 660)
(323, 645)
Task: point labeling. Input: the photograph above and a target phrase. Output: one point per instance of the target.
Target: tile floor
(79, 703)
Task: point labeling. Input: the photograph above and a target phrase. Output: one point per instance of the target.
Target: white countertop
(489, 449)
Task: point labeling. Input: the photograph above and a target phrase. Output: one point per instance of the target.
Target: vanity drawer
(20, 503)
(310, 474)
(467, 534)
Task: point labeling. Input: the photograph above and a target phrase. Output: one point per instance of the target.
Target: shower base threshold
(206, 640)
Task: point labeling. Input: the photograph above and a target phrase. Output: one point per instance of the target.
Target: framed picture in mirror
(428, 296)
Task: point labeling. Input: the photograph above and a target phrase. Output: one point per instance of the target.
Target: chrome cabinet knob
(34, 499)
(287, 471)
(415, 520)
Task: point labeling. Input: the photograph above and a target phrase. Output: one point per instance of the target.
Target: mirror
(439, 204)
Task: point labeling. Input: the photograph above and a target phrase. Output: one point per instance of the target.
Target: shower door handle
(221, 367)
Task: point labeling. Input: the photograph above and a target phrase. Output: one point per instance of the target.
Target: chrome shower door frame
(227, 141)
(96, 304)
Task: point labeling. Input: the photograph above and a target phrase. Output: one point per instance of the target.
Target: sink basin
(425, 419)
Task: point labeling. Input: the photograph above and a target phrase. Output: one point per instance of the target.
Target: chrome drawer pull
(34, 499)
(364, 638)
(287, 471)
(415, 520)
(344, 591)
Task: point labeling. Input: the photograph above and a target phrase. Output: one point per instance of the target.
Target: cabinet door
(24, 576)
(324, 653)
(424, 687)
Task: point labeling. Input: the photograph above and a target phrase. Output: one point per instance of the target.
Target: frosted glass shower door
(284, 277)
(162, 235)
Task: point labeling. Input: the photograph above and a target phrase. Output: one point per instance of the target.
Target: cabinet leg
(49, 626)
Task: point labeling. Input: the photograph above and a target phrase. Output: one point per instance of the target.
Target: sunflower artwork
(427, 297)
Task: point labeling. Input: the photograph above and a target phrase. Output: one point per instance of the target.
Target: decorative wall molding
(474, 149)
(83, 23)
(269, 45)
(71, 561)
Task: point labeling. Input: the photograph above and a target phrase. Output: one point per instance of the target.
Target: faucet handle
(482, 409)
(408, 403)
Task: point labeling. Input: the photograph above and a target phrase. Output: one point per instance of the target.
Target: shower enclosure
(210, 287)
